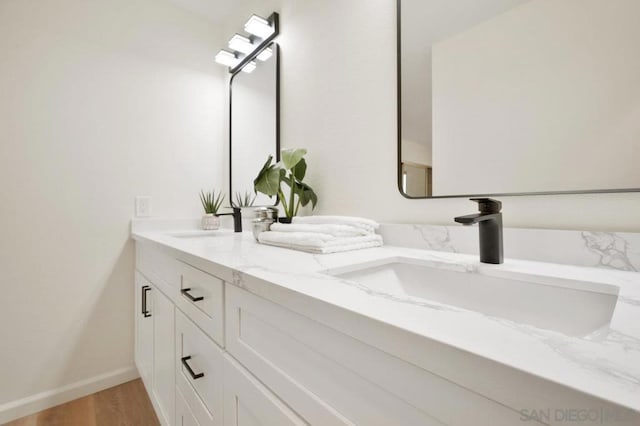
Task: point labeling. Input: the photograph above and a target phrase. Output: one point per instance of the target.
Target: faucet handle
(488, 205)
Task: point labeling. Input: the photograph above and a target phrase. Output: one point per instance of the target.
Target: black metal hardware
(194, 376)
(488, 205)
(145, 311)
(490, 224)
(185, 291)
(400, 136)
(237, 218)
(276, 54)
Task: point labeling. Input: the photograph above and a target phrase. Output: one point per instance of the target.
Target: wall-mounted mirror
(518, 96)
(254, 124)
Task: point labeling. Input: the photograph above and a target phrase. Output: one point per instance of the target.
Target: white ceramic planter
(210, 222)
(248, 215)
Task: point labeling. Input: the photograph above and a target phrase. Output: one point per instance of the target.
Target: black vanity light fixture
(241, 54)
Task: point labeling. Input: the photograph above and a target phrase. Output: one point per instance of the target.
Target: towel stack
(323, 234)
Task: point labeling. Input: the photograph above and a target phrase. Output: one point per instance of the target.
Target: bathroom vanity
(230, 332)
(236, 333)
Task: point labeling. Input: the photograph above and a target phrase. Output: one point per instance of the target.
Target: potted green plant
(243, 201)
(211, 203)
(290, 171)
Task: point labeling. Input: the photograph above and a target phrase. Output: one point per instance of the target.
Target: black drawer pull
(194, 376)
(145, 311)
(186, 291)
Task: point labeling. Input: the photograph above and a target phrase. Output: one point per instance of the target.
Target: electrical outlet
(143, 206)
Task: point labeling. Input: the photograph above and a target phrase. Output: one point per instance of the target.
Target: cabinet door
(248, 403)
(199, 371)
(143, 329)
(163, 356)
(184, 416)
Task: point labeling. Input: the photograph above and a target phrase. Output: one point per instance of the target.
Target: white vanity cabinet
(179, 350)
(330, 378)
(143, 329)
(247, 402)
(212, 353)
(199, 373)
(202, 299)
(184, 413)
(154, 346)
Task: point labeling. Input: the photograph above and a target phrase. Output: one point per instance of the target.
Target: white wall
(425, 22)
(100, 101)
(339, 101)
(416, 152)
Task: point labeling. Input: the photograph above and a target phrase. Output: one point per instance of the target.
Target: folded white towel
(318, 243)
(367, 225)
(333, 230)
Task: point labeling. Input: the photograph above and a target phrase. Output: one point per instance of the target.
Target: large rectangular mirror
(514, 97)
(254, 124)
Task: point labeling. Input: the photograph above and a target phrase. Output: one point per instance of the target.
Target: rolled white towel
(318, 243)
(333, 230)
(367, 225)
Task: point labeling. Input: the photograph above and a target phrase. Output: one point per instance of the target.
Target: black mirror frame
(276, 54)
(399, 140)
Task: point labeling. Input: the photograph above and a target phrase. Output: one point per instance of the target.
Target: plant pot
(210, 222)
(247, 218)
(284, 219)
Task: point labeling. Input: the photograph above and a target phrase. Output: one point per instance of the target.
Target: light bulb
(241, 44)
(249, 67)
(265, 54)
(226, 58)
(258, 26)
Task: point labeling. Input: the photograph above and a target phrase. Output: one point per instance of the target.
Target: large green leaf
(300, 170)
(291, 157)
(286, 179)
(268, 180)
(306, 194)
(266, 165)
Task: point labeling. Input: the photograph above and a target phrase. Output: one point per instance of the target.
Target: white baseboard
(43, 400)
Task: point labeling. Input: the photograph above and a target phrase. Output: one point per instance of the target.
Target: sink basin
(575, 308)
(196, 233)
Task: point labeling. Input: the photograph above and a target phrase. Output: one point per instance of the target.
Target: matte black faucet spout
(490, 224)
(237, 218)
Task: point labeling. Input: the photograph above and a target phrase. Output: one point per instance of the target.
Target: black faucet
(490, 224)
(237, 218)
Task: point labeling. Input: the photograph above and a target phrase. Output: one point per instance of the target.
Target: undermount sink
(575, 308)
(196, 233)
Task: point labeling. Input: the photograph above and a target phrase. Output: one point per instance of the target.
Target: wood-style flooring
(126, 404)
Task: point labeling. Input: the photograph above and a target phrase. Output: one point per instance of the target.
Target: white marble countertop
(605, 364)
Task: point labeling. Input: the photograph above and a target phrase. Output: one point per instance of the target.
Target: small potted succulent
(243, 201)
(211, 204)
(290, 170)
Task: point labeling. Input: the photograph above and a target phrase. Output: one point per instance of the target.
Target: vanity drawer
(248, 403)
(162, 270)
(184, 416)
(330, 378)
(199, 375)
(201, 298)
